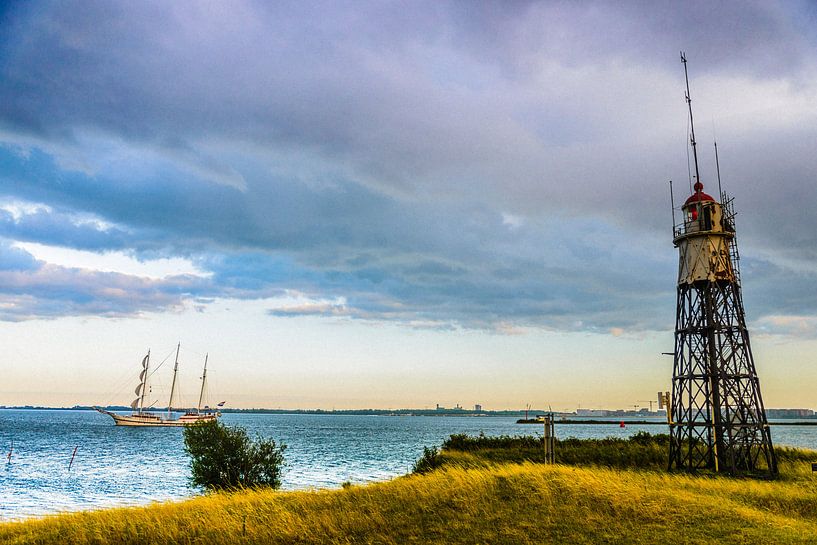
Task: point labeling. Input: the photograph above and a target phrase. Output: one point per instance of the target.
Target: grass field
(476, 495)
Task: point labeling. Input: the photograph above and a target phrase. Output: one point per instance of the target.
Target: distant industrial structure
(457, 407)
(616, 413)
(789, 413)
(717, 418)
(592, 412)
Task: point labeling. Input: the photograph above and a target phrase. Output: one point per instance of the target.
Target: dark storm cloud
(474, 163)
(60, 229)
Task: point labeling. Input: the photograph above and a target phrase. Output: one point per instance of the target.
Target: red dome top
(699, 195)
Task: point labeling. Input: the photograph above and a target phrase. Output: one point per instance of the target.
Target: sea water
(133, 466)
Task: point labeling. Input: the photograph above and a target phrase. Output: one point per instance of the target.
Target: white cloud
(114, 261)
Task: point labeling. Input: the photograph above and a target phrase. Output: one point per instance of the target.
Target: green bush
(428, 461)
(224, 457)
(463, 442)
(642, 450)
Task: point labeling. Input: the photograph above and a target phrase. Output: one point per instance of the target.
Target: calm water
(127, 466)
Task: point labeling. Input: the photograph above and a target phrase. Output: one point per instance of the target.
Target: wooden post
(550, 439)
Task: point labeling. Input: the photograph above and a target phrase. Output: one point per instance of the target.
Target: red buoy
(621, 425)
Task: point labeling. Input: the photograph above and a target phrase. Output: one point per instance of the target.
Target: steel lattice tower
(717, 418)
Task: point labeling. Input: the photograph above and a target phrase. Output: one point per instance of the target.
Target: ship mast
(173, 384)
(691, 124)
(203, 382)
(143, 386)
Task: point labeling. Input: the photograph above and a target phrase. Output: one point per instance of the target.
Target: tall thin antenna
(718, 167)
(672, 205)
(691, 122)
(689, 168)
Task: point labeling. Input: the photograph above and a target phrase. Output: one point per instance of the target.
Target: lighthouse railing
(728, 207)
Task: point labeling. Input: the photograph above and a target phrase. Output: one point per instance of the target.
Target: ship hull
(149, 420)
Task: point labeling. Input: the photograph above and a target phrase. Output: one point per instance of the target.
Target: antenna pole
(672, 205)
(718, 167)
(691, 123)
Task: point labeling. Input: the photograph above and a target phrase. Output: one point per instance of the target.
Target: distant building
(478, 408)
(440, 407)
(591, 412)
(789, 413)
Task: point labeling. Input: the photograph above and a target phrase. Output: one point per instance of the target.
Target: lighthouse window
(707, 218)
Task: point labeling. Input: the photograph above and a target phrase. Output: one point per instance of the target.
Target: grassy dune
(640, 451)
(471, 499)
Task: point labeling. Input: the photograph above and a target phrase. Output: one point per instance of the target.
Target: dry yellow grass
(505, 503)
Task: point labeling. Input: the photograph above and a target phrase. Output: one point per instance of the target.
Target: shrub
(642, 450)
(428, 461)
(225, 457)
(463, 442)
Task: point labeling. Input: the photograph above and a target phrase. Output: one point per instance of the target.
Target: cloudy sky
(393, 204)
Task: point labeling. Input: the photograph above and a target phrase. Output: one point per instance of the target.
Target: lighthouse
(717, 418)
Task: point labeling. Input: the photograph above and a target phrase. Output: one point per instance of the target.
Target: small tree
(225, 457)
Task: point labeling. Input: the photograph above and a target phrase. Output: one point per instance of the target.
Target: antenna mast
(718, 167)
(672, 206)
(691, 124)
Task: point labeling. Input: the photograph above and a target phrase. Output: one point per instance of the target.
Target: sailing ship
(142, 416)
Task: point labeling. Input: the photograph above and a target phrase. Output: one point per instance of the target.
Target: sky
(393, 204)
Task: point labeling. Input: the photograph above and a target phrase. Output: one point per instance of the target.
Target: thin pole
(689, 167)
(11, 451)
(691, 122)
(203, 380)
(672, 205)
(718, 167)
(714, 381)
(173, 384)
(72, 458)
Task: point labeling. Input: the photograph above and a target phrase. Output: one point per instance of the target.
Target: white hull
(155, 421)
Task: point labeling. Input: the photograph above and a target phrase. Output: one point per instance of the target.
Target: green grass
(642, 451)
(477, 495)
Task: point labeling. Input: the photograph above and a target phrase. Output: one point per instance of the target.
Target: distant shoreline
(573, 419)
(357, 412)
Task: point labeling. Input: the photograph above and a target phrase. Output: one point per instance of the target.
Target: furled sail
(139, 402)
